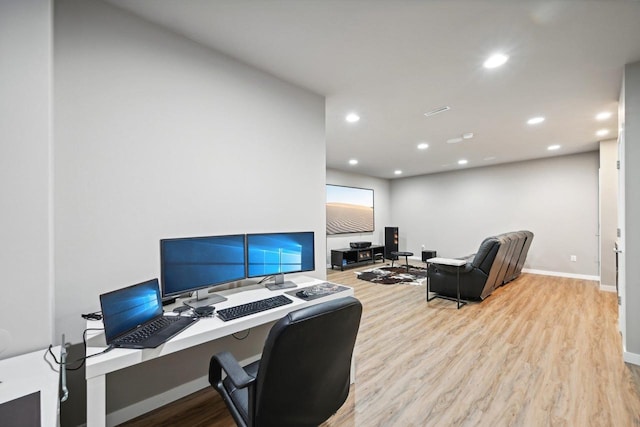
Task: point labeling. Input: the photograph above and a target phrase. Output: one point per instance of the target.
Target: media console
(350, 257)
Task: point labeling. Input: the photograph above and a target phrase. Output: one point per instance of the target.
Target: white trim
(608, 288)
(561, 274)
(632, 358)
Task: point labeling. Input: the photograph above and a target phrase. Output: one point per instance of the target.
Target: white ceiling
(393, 60)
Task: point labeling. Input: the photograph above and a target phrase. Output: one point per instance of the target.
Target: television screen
(349, 210)
(192, 263)
(279, 253)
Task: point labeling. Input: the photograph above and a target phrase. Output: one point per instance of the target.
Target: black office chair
(304, 374)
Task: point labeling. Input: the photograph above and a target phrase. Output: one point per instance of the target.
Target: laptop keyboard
(252, 307)
(141, 334)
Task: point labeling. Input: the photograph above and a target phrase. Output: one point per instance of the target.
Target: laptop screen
(127, 308)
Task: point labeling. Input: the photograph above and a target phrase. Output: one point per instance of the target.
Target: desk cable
(82, 359)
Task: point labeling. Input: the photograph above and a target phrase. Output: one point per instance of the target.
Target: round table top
(402, 253)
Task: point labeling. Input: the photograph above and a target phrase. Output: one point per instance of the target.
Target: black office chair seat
(304, 374)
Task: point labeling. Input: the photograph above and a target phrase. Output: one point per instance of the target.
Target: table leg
(459, 302)
(428, 282)
(96, 401)
(458, 285)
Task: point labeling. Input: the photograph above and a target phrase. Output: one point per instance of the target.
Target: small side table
(428, 253)
(406, 256)
(452, 262)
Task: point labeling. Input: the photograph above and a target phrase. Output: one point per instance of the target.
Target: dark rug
(393, 275)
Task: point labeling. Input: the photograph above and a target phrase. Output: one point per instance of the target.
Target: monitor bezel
(199, 287)
(249, 276)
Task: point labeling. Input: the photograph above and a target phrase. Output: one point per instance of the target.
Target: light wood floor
(541, 351)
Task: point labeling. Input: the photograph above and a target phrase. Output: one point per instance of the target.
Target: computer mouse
(303, 294)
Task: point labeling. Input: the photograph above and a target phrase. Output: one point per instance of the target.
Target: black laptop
(133, 317)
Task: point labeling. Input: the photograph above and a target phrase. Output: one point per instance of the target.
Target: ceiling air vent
(436, 111)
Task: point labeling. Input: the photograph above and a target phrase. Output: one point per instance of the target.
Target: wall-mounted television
(349, 210)
(274, 254)
(195, 263)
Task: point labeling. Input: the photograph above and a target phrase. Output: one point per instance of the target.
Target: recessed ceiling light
(603, 116)
(352, 117)
(463, 162)
(495, 60)
(454, 140)
(467, 135)
(535, 120)
(397, 172)
(553, 147)
(423, 146)
(602, 132)
(353, 161)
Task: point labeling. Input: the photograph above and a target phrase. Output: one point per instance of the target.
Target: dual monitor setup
(192, 264)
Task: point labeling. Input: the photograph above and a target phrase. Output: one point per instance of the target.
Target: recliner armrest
(451, 269)
(224, 361)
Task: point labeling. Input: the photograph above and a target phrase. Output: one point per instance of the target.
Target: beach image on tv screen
(349, 210)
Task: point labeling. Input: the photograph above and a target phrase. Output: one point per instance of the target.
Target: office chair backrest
(304, 372)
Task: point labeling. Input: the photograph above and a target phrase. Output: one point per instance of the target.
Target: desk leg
(97, 401)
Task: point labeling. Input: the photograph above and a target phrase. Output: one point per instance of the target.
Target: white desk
(31, 373)
(205, 330)
(454, 263)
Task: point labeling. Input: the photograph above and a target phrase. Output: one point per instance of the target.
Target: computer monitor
(191, 264)
(274, 254)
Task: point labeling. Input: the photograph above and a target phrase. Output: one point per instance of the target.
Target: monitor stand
(279, 283)
(204, 299)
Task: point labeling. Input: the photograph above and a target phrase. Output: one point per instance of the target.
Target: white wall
(25, 171)
(157, 136)
(608, 210)
(381, 204)
(555, 198)
(631, 225)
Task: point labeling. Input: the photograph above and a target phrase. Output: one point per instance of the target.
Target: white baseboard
(561, 274)
(632, 358)
(608, 288)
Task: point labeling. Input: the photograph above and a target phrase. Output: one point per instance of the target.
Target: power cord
(244, 337)
(84, 344)
(264, 279)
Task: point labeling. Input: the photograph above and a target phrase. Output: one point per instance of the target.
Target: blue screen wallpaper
(129, 307)
(277, 253)
(189, 264)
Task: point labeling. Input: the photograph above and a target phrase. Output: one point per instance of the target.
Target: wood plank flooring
(541, 351)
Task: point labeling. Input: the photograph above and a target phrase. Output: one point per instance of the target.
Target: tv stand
(351, 257)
